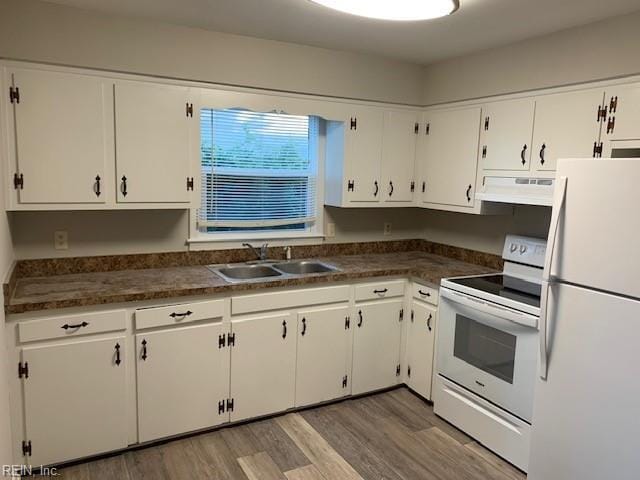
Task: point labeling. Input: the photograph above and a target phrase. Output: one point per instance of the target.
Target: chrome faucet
(261, 253)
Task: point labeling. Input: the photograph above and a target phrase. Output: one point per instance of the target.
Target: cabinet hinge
(409, 371)
(602, 114)
(398, 370)
(14, 94)
(613, 105)
(23, 370)
(189, 184)
(222, 341)
(350, 185)
(347, 323)
(221, 409)
(344, 381)
(401, 314)
(18, 181)
(416, 128)
(597, 149)
(231, 339)
(413, 187)
(611, 124)
(424, 187)
(230, 405)
(427, 129)
(412, 315)
(354, 123)
(189, 109)
(486, 123)
(484, 151)
(26, 448)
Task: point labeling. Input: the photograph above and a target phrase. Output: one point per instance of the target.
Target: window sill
(221, 241)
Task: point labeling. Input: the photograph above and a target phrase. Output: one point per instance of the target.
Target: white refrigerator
(586, 418)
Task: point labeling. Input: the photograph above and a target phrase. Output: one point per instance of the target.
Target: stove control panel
(525, 250)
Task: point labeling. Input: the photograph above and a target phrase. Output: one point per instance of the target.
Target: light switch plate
(387, 229)
(331, 230)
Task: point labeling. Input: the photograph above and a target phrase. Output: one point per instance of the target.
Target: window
(259, 171)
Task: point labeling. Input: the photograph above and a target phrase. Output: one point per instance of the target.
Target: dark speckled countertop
(96, 288)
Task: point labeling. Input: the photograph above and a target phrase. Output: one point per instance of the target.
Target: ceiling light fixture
(399, 10)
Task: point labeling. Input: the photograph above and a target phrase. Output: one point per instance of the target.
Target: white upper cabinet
(622, 118)
(63, 134)
(505, 139)
(398, 156)
(566, 125)
(447, 156)
(152, 143)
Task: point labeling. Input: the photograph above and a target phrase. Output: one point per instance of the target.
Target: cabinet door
(420, 346)
(323, 346)
(398, 156)
(623, 119)
(376, 345)
(152, 143)
(507, 128)
(263, 365)
(182, 376)
(75, 399)
(448, 154)
(566, 126)
(363, 154)
(63, 130)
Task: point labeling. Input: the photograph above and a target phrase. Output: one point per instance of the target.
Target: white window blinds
(258, 170)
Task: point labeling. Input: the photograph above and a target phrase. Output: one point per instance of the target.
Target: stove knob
(523, 249)
(514, 247)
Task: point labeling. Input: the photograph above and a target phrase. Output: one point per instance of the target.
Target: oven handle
(513, 316)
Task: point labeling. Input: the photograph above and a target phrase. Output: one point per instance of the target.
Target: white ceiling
(479, 24)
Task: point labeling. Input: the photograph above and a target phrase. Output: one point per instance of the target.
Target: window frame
(198, 240)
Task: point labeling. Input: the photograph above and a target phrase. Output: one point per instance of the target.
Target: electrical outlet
(61, 240)
(331, 230)
(387, 229)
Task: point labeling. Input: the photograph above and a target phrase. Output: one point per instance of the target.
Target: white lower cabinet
(263, 365)
(376, 345)
(420, 347)
(75, 402)
(322, 370)
(183, 375)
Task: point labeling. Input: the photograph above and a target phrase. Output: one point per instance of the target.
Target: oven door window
(487, 348)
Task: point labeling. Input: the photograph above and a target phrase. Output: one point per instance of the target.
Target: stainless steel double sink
(245, 272)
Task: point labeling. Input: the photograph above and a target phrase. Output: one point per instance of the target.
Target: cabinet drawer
(426, 294)
(72, 325)
(287, 299)
(178, 314)
(372, 291)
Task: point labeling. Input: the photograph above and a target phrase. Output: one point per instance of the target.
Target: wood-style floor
(391, 436)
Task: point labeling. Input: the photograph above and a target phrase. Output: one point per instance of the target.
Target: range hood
(517, 190)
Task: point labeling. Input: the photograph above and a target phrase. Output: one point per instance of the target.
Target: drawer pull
(426, 294)
(117, 354)
(384, 290)
(359, 318)
(429, 321)
(144, 350)
(181, 315)
(66, 326)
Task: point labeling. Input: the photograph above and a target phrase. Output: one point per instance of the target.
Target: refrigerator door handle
(558, 206)
(542, 337)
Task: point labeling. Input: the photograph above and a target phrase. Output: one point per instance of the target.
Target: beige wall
(597, 51)
(38, 31)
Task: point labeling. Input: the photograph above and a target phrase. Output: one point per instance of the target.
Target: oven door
(489, 349)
